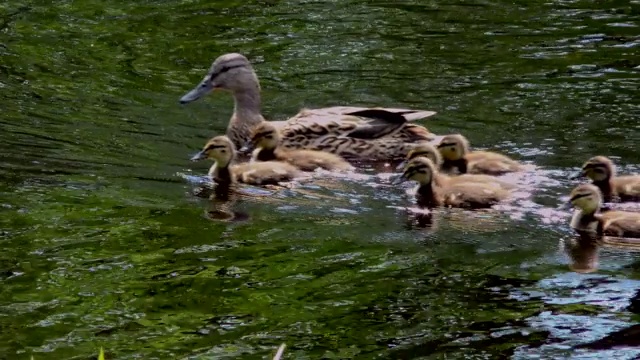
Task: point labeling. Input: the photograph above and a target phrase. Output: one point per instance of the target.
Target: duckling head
(422, 149)
(598, 168)
(586, 197)
(420, 169)
(265, 136)
(232, 72)
(453, 147)
(219, 148)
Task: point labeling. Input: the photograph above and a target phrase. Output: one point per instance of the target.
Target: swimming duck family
(448, 172)
(353, 132)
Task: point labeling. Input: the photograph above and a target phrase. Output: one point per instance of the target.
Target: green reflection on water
(103, 245)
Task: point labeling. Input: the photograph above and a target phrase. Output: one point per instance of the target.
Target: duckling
(266, 138)
(587, 218)
(602, 173)
(455, 151)
(351, 132)
(432, 192)
(222, 151)
(422, 149)
(430, 152)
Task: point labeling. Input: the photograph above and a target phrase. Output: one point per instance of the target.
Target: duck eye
(269, 136)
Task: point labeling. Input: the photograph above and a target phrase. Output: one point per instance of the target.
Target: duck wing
(355, 122)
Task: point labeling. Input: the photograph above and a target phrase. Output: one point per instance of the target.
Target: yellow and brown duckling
(265, 141)
(422, 149)
(602, 173)
(456, 155)
(435, 190)
(222, 151)
(587, 218)
(430, 152)
(352, 132)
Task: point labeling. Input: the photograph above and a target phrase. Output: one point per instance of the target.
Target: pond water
(103, 243)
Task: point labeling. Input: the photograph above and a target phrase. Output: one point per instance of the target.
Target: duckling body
(602, 173)
(352, 132)
(457, 156)
(434, 190)
(431, 152)
(222, 151)
(588, 219)
(266, 139)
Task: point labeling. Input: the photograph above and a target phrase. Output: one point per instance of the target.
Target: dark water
(103, 244)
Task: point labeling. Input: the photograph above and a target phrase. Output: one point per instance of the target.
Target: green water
(103, 243)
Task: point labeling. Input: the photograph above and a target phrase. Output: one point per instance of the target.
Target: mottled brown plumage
(602, 173)
(457, 156)
(352, 132)
(222, 151)
(588, 219)
(266, 139)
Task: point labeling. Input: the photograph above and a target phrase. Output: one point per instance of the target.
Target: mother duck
(352, 132)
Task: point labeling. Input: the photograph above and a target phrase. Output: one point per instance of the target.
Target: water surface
(104, 244)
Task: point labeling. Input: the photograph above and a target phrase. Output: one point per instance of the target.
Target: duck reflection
(420, 218)
(223, 199)
(583, 251)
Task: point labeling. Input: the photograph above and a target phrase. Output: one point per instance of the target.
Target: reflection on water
(105, 241)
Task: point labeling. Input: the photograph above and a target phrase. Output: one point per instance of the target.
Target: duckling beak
(199, 91)
(398, 179)
(436, 140)
(401, 166)
(247, 148)
(567, 205)
(577, 175)
(199, 156)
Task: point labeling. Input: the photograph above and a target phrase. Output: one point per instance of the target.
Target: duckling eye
(268, 136)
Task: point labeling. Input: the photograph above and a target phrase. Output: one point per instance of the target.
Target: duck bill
(401, 166)
(567, 205)
(436, 140)
(199, 91)
(398, 179)
(577, 175)
(199, 156)
(247, 148)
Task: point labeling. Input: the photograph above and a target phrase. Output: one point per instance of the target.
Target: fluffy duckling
(265, 138)
(602, 173)
(432, 192)
(222, 151)
(456, 154)
(422, 149)
(430, 152)
(587, 218)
